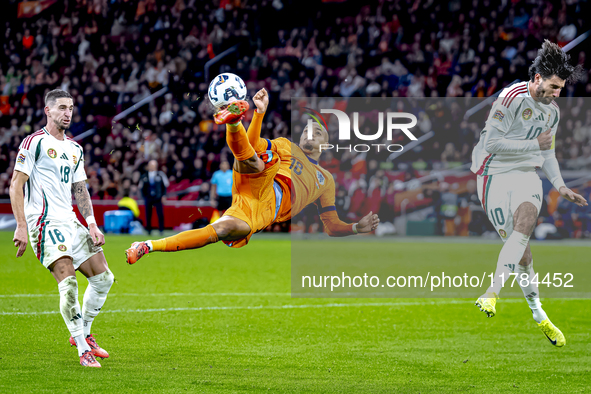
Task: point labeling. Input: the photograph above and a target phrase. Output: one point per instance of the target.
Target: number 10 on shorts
(497, 217)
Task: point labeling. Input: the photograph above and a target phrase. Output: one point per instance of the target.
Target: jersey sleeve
(502, 113)
(333, 226)
(214, 179)
(500, 120)
(79, 171)
(28, 153)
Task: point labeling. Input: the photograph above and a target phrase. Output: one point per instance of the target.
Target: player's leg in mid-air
(235, 224)
(515, 229)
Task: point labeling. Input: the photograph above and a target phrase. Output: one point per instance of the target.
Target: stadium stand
(110, 55)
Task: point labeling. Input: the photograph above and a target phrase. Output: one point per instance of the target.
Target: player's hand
(571, 196)
(261, 100)
(20, 240)
(97, 237)
(545, 140)
(368, 223)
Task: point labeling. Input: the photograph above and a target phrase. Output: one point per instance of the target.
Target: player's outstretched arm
(85, 208)
(335, 227)
(17, 201)
(261, 101)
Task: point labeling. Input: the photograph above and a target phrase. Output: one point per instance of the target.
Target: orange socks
(191, 239)
(238, 142)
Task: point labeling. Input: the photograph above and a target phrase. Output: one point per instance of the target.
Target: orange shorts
(254, 200)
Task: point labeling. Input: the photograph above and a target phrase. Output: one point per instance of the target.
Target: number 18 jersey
(52, 166)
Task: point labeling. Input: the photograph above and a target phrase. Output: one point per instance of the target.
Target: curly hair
(552, 60)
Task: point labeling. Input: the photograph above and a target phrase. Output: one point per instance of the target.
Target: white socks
(501, 276)
(95, 297)
(149, 243)
(509, 258)
(526, 276)
(508, 262)
(70, 309)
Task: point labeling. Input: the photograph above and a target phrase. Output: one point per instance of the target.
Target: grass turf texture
(255, 338)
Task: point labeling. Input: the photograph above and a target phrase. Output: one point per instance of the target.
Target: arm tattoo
(82, 199)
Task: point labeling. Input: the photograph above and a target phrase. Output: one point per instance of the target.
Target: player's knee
(526, 259)
(102, 282)
(525, 218)
(252, 165)
(224, 228)
(230, 229)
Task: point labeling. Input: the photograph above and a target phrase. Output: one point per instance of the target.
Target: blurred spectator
(126, 51)
(129, 204)
(204, 192)
(153, 185)
(221, 186)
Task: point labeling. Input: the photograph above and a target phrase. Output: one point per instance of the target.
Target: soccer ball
(225, 88)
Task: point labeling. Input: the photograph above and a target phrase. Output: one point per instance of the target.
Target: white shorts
(502, 194)
(52, 240)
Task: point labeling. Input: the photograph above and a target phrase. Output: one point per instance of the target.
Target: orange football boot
(88, 360)
(97, 351)
(232, 113)
(136, 251)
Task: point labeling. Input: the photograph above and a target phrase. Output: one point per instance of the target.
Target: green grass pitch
(220, 320)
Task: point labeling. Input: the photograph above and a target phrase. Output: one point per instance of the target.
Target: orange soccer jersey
(301, 179)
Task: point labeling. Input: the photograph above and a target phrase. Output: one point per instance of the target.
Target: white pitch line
(156, 295)
(261, 307)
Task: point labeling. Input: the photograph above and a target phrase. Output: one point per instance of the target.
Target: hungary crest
(527, 114)
(51, 153)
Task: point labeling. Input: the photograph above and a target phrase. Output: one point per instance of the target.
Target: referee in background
(221, 187)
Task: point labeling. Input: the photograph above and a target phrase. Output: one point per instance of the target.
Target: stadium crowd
(110, 55)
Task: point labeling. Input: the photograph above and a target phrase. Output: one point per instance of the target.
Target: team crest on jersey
(75, 159)
(21, 159)
(503, 233)
(498, 116)
(527, 114)
(51, 153)
(62, 248)
(320, 177)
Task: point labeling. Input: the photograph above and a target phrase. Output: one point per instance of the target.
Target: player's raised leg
(227, 228)
(100, 280)
(63, 272)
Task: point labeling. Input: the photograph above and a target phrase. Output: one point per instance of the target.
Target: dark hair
(552, 60)
(53, 95)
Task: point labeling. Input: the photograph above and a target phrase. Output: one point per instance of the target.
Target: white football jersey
(52, 166)
(517, 116)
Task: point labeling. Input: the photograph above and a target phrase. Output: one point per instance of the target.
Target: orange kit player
(273, 181)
